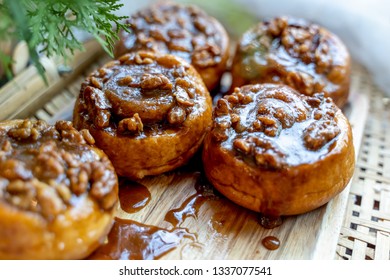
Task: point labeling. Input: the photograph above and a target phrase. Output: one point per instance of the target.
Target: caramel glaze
(274, 126)
(130, 240)
(47, 169)
(271, 243)
(270, 136)
(294, 52)
(58, 192)
(184, 31)
(190, 207)
(133, 196)
(142, 104)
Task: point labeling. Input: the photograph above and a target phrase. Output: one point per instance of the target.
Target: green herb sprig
(48, 26)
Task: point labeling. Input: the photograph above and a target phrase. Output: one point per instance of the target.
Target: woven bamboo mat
(365, 233)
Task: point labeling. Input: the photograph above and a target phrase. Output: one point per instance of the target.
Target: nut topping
(303, 55)
(42, 174)
(132, 125)
(138, 97)
(278, 127)
(160, 81)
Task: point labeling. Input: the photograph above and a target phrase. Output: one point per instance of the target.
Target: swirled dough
(294, 52)
(149, 112)
(184, 31)
(276, 151)
(58, 192)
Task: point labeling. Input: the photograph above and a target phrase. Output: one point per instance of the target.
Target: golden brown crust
(278, 152)
(184, 31)
(294, 52)
(149, 112)
(58, 193)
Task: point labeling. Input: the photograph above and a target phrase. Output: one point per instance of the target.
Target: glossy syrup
(130, 240)
(270, 222)
(271, 243)
(190, 207)
(133, 196)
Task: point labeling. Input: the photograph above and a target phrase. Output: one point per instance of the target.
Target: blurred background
(363, 25)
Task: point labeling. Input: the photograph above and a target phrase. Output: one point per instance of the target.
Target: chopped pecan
(49, 201)
(242, 146)
(267, 120)
(277, 25)
(140, 59)
(78, 180)
(13, 169)
(132, 125)
(317, 114)
(177, 33)
(97, 83)
(233, 99)
(62, 190)
(24, 131)
(319, 133)
(182, 97)
(21, 194)
(159, 81)
(235, 118)
(125, 81)
(158, 35)
(223, 107)
(180, 45)
(87, 136)
(176, 115)
(68, 132)
(219, 134)
(257, 126)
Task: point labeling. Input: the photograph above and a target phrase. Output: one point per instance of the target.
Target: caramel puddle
(131, 240)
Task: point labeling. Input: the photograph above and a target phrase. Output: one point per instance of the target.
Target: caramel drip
(190, 207)
(270, 222)
(133, 196)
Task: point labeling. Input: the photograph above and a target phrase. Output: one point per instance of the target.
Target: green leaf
(48, 26)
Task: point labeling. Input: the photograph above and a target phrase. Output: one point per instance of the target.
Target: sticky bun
(294, 52)
(149, 112)
(276, 151)
(58, 192)
(184, 31)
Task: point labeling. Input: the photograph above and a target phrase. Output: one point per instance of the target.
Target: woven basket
(366, 228)
(365, 232)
